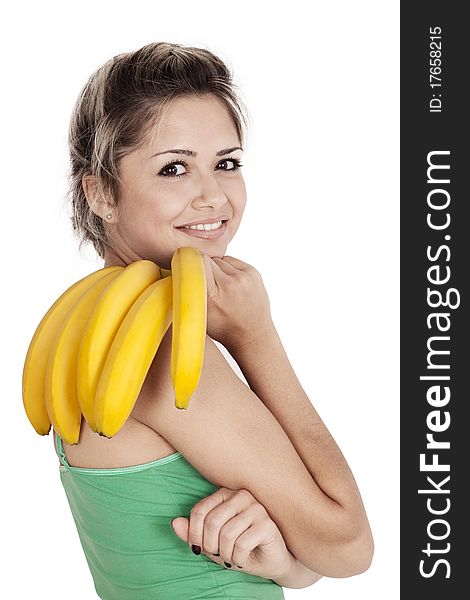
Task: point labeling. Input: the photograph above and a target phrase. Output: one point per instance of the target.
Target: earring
(109, 215)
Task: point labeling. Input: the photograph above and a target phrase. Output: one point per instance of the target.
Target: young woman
(260, 491)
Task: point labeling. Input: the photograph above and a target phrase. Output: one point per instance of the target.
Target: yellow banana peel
(34, 369)
(189, 322)
(91, 351)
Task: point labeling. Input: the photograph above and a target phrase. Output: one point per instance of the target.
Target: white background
(320, 80)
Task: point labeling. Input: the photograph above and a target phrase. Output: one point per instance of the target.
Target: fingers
(232, 529)
(219, 519)
(229, 537)
(215, 272)
(223, 525)
(225, 266)
(246, 542)
(211, 285)
(216, 267)
(198, 515)
(236, 263)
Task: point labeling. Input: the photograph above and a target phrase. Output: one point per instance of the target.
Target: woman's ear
(97, 200)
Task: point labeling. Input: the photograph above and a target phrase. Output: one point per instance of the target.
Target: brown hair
(127, 96)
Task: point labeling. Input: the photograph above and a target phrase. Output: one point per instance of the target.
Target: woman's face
(186, 175)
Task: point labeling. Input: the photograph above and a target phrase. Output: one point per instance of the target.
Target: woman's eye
(224, 162)
(230, 160)
(236, 164)
(171, 169)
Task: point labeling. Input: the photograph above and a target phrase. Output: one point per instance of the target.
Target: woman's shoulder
(137, 442)
(226, 433)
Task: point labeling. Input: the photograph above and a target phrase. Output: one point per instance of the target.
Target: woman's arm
(297, 575)
(238, 440)
(234, 530)
(270, 375)
(234, 441)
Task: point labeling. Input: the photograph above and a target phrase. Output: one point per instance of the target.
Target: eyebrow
(192, 153)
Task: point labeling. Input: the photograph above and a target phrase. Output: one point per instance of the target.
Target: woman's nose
(209, 192)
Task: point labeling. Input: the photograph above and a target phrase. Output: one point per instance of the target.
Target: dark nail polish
(196, 549)
(215, 554)
(239, 567)
(228, 565)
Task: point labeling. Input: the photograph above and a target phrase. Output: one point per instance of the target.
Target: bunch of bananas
(93, 348)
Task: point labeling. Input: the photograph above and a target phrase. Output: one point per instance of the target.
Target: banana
(34, 368)
(165, 272)
(131, 355)
(189, 322)
(102, 326)
(60, 385)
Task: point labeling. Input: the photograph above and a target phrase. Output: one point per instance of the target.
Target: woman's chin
(212, 250)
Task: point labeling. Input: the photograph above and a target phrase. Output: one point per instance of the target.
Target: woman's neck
(112, 259)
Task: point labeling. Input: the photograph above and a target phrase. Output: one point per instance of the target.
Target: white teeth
(205, 227)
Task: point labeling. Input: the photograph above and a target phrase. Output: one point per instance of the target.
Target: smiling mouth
(201, 232)
(205, 226)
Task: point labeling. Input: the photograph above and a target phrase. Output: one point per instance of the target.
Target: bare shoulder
(229, 436)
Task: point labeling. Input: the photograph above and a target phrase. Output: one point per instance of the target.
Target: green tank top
(123, 518)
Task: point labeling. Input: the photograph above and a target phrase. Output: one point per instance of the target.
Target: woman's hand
(232, 528)
(238, 307)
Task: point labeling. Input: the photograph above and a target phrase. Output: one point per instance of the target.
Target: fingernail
(195, 549)
(239, 567)
(215, 554)
(228, 565)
